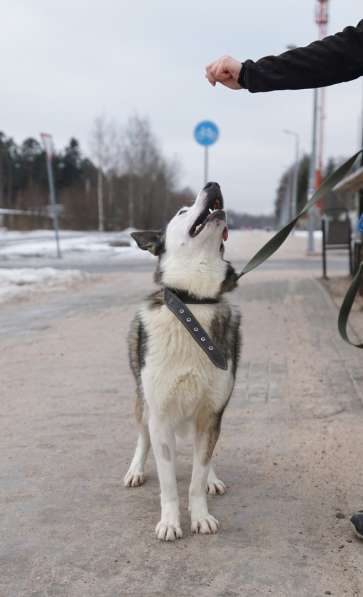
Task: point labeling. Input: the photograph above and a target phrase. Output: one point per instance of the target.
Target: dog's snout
(214, 195)
(211, 185)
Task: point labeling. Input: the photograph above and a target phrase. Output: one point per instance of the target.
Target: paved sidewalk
(290, 452)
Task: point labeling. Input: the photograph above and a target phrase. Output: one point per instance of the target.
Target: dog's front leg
(163, 443)
(201, 520)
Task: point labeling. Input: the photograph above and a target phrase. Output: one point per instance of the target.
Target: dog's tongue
(225, 233)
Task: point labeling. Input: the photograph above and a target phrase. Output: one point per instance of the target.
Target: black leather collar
(192, 325)
(189, 298)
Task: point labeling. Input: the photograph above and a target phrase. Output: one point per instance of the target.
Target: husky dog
(179, 390)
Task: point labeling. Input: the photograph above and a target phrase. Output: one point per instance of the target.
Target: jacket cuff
(242, 76)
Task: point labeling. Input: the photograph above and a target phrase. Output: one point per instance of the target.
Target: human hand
(226, 71)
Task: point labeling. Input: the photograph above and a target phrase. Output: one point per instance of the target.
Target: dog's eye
(183, 211)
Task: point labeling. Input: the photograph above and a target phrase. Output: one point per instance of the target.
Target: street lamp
(360, 199)
(295, 175)
(312, 166)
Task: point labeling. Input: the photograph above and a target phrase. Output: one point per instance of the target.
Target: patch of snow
(15, 283)
(73, 244)
(305, 233)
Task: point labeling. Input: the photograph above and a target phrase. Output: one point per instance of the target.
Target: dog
(179, 390)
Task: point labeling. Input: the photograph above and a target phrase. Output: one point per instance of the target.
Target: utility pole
(131, 199)
(317, 149)
(206, 161)
(360, 198)
(101, 217)
(53, 206)
(312, 177)
(321, 19)
(295, 175)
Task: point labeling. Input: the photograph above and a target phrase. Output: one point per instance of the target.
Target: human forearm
(335, 59)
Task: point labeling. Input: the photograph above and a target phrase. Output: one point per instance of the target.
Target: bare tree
(150, 176)
(105, 149)
(130, 162)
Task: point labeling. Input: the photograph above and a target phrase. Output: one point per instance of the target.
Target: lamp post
(295, 174)
(360, 198)
(312, 175)
(317, 137)
(53, 206)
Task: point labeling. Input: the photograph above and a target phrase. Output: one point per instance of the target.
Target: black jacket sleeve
(334, 59)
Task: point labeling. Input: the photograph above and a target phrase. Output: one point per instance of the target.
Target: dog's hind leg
(135, 475)
(214, 485)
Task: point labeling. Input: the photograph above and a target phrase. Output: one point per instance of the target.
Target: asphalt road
(336, 263)
(240, 247)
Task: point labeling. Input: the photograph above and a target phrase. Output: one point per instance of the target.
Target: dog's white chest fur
(177, 375)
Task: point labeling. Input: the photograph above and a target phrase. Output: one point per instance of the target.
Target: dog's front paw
(165, 531)
(205, 526)
(216, 487)
(134, 478)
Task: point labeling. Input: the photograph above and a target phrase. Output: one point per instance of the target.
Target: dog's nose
(214, 195)
(210, 185)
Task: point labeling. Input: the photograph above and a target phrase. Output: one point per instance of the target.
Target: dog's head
(191, 248)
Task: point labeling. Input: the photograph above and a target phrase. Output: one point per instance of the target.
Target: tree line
(126, 182)
(283, 193)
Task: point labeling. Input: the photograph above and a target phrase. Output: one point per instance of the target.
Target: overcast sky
(64, 63)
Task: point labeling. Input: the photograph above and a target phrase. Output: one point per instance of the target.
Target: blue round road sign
(206, 132)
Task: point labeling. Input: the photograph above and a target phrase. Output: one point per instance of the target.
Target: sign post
(53, 207)
(206, 133)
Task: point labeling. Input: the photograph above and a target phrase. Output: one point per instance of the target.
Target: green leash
(276, 241)
(347, 305)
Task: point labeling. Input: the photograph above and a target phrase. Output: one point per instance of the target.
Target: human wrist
(242, 76)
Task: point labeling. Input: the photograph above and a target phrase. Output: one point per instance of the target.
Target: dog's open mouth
(212, 211)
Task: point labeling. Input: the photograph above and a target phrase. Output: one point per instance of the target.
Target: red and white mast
(321, 19)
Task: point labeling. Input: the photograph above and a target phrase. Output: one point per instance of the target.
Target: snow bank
(41, 244)
(305, 234)
(15, 283)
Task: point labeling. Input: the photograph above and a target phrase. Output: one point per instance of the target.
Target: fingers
(210, 77)
(222, 70)
(225, 70)
(211, 71)
(218, 77)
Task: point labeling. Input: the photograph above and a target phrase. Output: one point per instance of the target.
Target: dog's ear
(149, 240)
